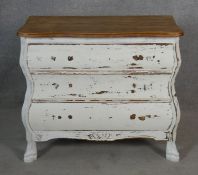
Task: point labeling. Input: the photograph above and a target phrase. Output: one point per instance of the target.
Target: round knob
(70, 58)
(70, 116)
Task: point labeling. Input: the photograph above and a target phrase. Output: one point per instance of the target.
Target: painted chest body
(100, 78)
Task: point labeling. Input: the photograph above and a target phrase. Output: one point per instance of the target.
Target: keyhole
(70, 85)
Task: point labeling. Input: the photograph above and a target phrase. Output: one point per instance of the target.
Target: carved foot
(171, 152)
(31, 152)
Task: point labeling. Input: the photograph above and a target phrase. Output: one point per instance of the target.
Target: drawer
(98, 116)
(101, 57)
(112, 87)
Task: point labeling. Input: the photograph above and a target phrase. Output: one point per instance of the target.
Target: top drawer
(101, 57)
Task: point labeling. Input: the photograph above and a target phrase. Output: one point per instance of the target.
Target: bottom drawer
(98, 116)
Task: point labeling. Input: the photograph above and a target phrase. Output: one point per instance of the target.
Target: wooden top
(100, 26)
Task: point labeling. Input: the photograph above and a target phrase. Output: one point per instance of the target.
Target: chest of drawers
(100, 78)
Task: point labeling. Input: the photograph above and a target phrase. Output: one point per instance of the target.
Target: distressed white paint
(119, 48)
(172, 153)
(99, 57)
(125, 40)
(99, 135)
(98, 72)
(94, 116)
(31, 150)
(135, 87)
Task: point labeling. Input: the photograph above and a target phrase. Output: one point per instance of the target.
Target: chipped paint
(100, 67)
(138, 57)
(80, 95)
(100, 92)
(136, 87)
(69, 67)
(52, 58)
(73, 94)
(55, 85)
(109, 112)
(116, 57)
(133, 116)
(159, 124)
(137, 67)
(142, 118)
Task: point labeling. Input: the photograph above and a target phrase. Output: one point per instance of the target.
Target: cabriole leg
(31, 150)
(172, 153)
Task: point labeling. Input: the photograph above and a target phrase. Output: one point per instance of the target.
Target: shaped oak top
(100, 26)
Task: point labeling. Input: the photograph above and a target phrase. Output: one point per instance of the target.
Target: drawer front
(98, 116)
(101, 57)
(136, 87)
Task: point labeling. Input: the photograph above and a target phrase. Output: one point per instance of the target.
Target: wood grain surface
(100, 26)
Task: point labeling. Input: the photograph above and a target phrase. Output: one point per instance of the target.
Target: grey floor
(74, 157)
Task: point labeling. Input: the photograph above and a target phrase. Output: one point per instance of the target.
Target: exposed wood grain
(100, 26)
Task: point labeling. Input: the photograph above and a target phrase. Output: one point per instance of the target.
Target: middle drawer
(113, 87)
